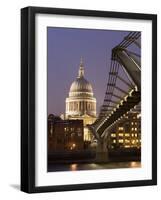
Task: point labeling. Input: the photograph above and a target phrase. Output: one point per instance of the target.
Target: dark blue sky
(65, 48)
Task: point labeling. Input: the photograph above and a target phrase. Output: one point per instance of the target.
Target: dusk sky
(65, 48)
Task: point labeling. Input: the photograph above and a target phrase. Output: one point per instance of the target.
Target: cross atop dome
(81, 69)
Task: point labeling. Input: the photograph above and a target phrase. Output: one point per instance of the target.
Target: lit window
(121, 128)
(135, 129)
(74, 145)
(121, 134)
(138, 116)
(113, 135)
(114, 141)
(127, 146)
(132, 134)
(132, 123)
(135, 123)
(127, 134)
(132, 129)
(127, 141)
(121, 141)
(136, 134)
(133, 141)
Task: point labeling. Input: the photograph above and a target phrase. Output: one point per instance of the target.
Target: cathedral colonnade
(80, 106)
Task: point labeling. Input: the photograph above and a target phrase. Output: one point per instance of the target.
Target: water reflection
(135, 164)
(92, 166)
(73, 167)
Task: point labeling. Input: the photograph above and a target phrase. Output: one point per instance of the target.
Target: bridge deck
(130, 102)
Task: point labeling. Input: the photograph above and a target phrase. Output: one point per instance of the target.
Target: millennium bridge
(123, 92)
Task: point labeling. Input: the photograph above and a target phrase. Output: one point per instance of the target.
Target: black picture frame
(28, 98)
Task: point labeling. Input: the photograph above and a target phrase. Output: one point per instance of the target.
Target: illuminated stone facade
(81, 103)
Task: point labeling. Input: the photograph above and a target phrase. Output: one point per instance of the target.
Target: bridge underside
(130, 102)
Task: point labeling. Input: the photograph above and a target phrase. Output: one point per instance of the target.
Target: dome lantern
(81, 69)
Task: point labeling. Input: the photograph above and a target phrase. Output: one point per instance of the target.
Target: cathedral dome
(81, 101)
(81, 87)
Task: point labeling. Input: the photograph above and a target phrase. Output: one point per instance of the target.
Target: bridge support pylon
(102, 151)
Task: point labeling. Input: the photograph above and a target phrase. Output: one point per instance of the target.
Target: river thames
(92, 166)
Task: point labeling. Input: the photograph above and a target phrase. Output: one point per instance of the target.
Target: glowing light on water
(93, 166)
(134, 164)
(73, 167)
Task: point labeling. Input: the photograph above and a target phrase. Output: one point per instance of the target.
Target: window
(78, 130)
(113, 135)
(121, 128)
(127, 146)
(79, 134)
(121, 134)
(127, 141)
(121, 141)
(127, 134)
(133, 141)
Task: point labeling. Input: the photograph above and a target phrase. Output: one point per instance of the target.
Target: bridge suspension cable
(120, 83)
